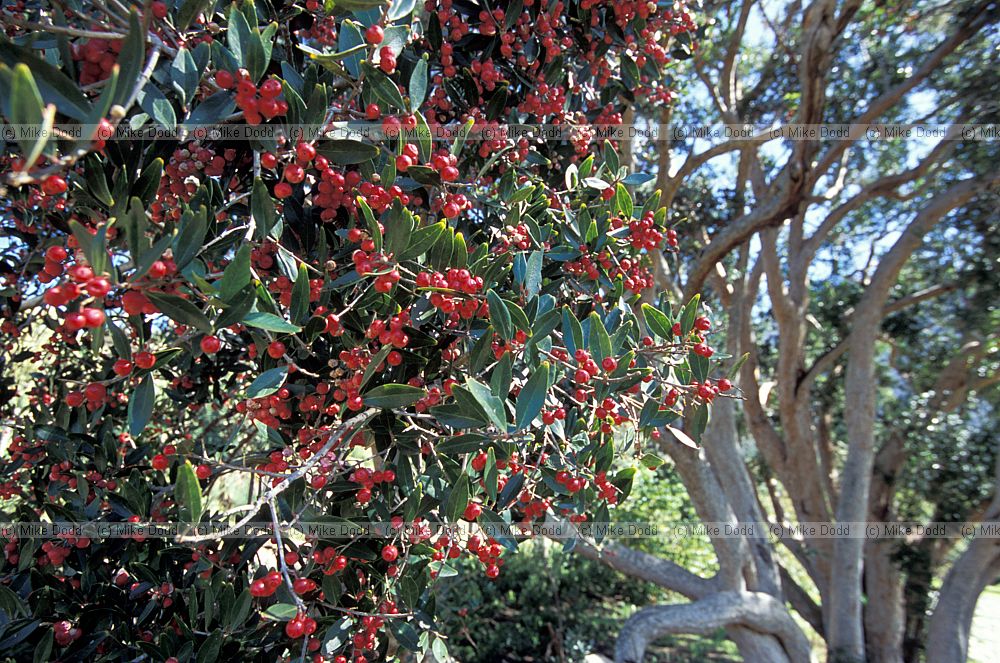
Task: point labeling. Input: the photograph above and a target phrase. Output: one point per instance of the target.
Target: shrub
(384, 327)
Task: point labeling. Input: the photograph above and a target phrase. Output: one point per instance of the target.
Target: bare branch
(755, 610)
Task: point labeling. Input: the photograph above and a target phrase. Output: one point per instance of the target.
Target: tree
(841, 400)
(209, 279)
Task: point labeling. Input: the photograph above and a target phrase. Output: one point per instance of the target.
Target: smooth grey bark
(755, 611)
(844, 618)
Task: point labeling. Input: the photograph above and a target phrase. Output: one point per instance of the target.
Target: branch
(753, 610)
(978, 18)
(641, 565)
(277, 489)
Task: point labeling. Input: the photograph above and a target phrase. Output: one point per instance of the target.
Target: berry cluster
(98, 56)
(460, 282)
(187, 167)
(256, 103)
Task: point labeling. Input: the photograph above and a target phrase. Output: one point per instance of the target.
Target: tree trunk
(948, 632)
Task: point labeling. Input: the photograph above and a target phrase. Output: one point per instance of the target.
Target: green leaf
(511, 489)
(389, 396)
(187, 493)
(262, 208)
(373, 365)
(657, 322)
(459, 252)
(689, 314)
(188, 11)
(532, 397)
(462, 444)
(132, 58)
(738, 365)
(184, 75)
(358, 5)
(490, 474)
(43, 650)
(572, 331)
(26, 109)
(349, 40)
(458, 415)
(150, 255)
(281, 612)
(299, 310)
(700, 366)
(463, 133)
(267, 382)
(181, 310)
(140, 406)
(245, 44)
(237, 307)
(499, 315)
(346, 152)
(400, 9)
(236, 275)
(240, 610)
(53, 85)
(337, 636)
(398, 231)
(652, 461)
(623, 201)
(93, 246)
(600, 342)
(682, 437)
(458, 499)
(191, 237)
(209, 650)
(270, 322)
(406, 635)
(373, 227)
(491, 405)
(533, 274)
(502, 377)
(418, 84)
(157, 106)
(382, 86)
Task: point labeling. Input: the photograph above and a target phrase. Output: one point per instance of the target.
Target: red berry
(295, 628)
(276, 350)
(145, 359)
(203, 471)
(283, 189)
(268, 160)
(725, 384)
(305, 152)
(53, 185)
(160, 462)
(390, 553)
(224, 79)
(270, 89)
(609, 364)
(472, 511)
(55, 254)
(374, 35)
(210, 345)
(294, 173)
